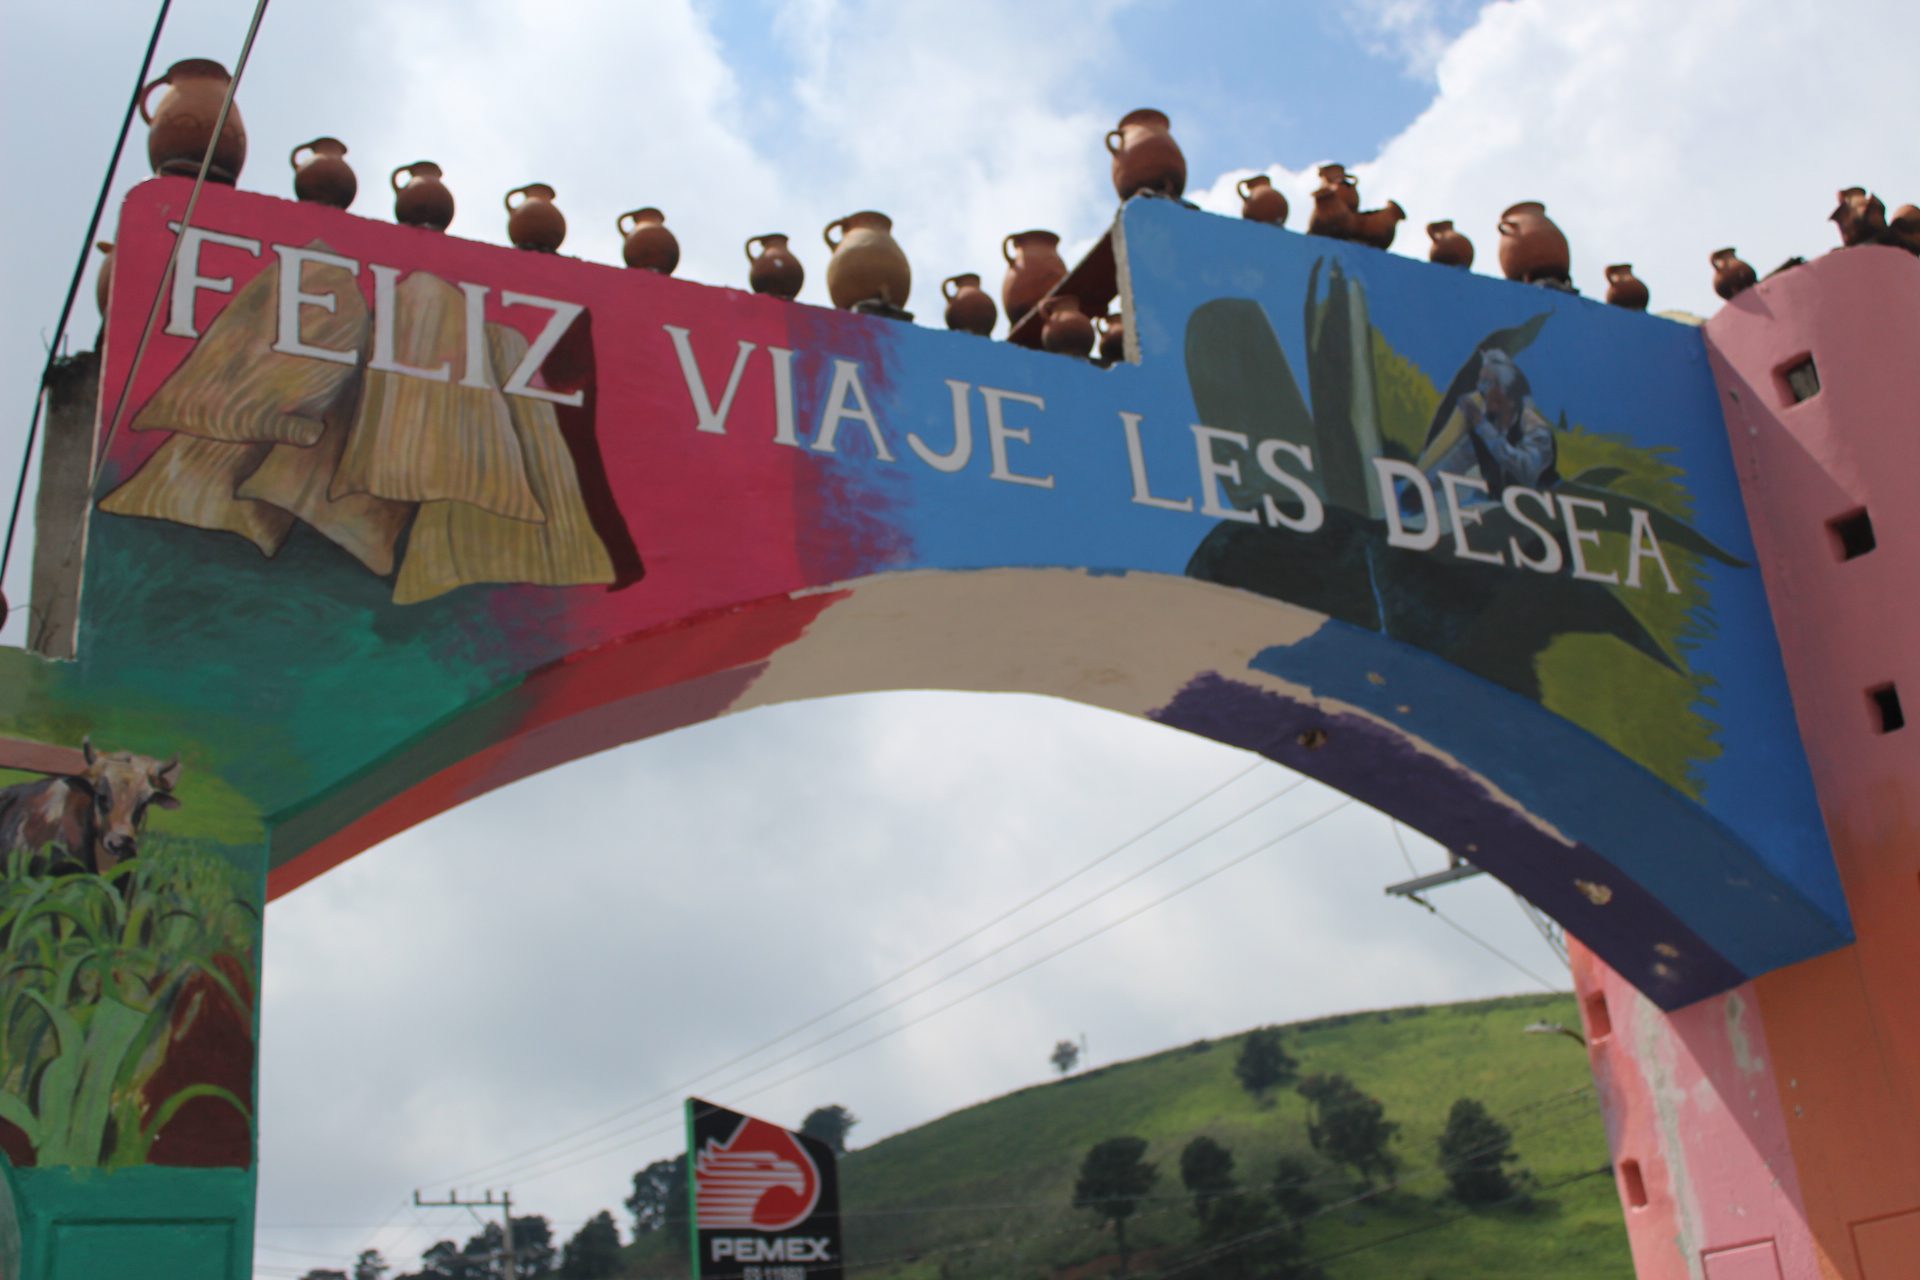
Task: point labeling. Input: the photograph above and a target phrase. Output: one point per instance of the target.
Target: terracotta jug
(1034, 266)
(1067, 331)
(1730, 275)
(183, 123)
(648, 246)
(535, 223)
(867, 265)
(326, 177)
(1903, 228)
(1450, 247)
(1862, 218)
(1332, 215)
(774, 270)
(103, 283)
(969, 307)
(1624, 289)
(1376, 226)
(1334, 177)
(1260, 200)
(1145, 156)
(1113, 338)
(1531, 246)
(423, 200)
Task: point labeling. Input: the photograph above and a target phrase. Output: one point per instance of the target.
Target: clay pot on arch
(1261, 201)
(535, 223)
(1376, 226)
(1335, 178)
(1450, 248)
(1067, 330)
(423, 200)
(1145, 156)
(1332, 216)
(326, 177)
(1861, 217)
(1731, 276)
(1532, 247)
(773, 271)
(970, 308)
(647, 245)
(182, 124)
(1034, 266)
(868, 264)
(1624, 289)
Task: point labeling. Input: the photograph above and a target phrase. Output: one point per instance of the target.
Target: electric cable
(489, 1169)
(624, 1142)
(73, 286)
(1477, 941)
(173, 255)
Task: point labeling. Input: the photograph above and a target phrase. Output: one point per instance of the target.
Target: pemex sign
(766, 1200)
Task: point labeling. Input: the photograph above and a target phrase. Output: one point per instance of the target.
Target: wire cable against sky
(912, 995)
(815, 1020)
(1235, 861)
(173, 256)
(73, 286)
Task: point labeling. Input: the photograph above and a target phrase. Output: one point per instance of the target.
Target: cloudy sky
(435, 1015)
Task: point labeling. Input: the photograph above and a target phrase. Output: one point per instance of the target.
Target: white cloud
(1655, 133)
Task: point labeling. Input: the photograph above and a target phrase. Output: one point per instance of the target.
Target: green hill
(986, 1192)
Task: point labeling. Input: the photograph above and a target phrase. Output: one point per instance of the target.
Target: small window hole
(1853, 534)
(1799, 379)
(1632, 1184)
(1886, 704)
(1599, 1021)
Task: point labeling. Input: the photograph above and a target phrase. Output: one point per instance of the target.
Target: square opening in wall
(1886, 708)
(1599, 1022)
(1798, 379)
(1852, 534)
(1632, 1185)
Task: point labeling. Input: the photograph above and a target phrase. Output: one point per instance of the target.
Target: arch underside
(1667, 895)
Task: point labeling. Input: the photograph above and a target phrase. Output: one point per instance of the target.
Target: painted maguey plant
(125, 1000)
(1413, 555)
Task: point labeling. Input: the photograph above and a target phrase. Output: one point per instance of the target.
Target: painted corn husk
(296, 479)
(417, 439)
(456, 543)
(192, 481)
(235, 387)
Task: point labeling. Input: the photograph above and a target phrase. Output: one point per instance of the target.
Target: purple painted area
(1379, 765)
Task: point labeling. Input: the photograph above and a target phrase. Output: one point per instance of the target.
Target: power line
(1464, 932)
(1007, 977)
(73, 286)
(673, 1091)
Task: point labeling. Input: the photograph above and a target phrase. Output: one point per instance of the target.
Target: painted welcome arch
(395, 519)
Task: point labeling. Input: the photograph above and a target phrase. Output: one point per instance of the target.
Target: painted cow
(86, 821)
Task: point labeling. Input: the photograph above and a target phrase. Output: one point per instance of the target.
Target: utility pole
(504, 1204)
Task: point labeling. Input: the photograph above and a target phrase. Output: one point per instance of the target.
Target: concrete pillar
(60, 508)
(1775, 1131)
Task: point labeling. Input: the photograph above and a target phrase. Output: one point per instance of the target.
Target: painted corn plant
(1540, 634)
(126, 999)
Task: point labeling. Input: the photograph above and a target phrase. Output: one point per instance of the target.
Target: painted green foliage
(1607, 657)
(126, 1001)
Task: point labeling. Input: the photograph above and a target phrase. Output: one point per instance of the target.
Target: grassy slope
(985, 1191)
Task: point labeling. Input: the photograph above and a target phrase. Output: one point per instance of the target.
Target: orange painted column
(1775, 1131)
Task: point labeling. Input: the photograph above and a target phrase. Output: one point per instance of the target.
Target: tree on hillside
(830, 1125)
(1349, 1127)
(1264, 1063)
(1241, 1242)
(659, 1199)
(370, 1266)
(594, 1251)
(1206, 1169)
(1113, 1178)
(1066, 1055)
(483, 1257)
(1293, 1180)
(1474, 1150)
